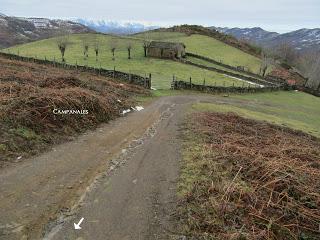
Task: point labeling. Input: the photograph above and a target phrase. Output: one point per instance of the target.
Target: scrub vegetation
(248, 179)
(30, 93)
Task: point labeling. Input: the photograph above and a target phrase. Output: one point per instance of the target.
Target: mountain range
(114, 27)
(302, 40)
(18, 30)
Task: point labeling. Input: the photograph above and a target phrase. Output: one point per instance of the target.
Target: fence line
(230, 74)
(309, 90)
(178, 85)
(127, 77)
(273, 80)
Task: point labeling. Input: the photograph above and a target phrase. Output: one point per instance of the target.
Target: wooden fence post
(149, 84)
(130, 77)
(114, 71)
(190, 82)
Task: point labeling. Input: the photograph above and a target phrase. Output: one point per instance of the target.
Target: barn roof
(167, 45)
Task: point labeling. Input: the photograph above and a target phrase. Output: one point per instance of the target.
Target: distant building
(166, 50)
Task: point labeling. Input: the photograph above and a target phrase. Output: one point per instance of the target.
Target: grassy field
(209, 64)
(162, 70)
(211, 48)
(296, 110)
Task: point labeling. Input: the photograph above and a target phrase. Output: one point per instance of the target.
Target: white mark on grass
(240, 79)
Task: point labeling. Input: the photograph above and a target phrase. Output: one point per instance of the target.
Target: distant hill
(253, 34)
(301, 40)
(218, 35)
(17, 30)
(113, 27)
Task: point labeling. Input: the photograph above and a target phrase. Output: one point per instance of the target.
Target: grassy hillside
(162, 70)
(296, 110)
(211, 48)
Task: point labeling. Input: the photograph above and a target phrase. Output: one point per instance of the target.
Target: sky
(272, 15)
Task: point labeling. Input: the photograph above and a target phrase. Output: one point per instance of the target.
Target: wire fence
(159, 80)
(111, 73)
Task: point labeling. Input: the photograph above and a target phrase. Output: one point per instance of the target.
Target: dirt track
(120, 178)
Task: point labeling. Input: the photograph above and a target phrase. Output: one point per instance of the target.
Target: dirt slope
(29, 94)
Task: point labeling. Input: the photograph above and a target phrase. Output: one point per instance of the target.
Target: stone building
(170, 50)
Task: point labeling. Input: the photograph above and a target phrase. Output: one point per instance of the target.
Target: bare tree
(96, 49)
(62, 43)
(266, 61)
(309, 64)
(85, 45)
(146, 42)
(113, 44)
(129, 47)
(286, 51)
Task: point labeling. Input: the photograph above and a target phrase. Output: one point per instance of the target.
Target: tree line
(307, 62)
(63, 43)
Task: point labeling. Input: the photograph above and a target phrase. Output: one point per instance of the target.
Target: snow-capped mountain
(114, 27)
(17, 30)
(253, 34)
(301, 40)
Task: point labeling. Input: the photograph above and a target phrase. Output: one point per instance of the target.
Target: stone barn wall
(168, 50)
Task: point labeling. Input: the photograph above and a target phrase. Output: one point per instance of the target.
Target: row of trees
(307, 62)
(87, 41)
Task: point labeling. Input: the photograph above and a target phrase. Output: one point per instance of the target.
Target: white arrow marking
(77, 226)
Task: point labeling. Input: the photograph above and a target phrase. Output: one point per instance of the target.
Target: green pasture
(296, 110)
(162, 70)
